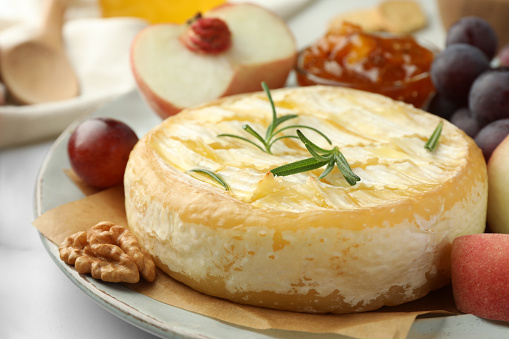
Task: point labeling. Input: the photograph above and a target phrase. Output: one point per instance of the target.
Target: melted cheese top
(382, 140)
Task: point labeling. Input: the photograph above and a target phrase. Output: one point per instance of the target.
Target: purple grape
(491, 135)
(455, 68)
(489, 96)
(464, 120)
(441, 106)
(98, 150)
(474, 31)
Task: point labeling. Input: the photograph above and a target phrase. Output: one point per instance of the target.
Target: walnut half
(108, 252)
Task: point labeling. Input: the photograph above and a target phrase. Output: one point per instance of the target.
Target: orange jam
(395, 66)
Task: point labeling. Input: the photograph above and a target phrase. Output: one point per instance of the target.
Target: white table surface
(36, 298)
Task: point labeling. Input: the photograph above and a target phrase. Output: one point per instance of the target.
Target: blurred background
(36, 299)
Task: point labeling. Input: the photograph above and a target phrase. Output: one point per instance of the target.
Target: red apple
(498, 188)
(178, 66)
(480, 275)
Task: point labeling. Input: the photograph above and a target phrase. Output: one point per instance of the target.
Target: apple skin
(247, 79)
(498, 188)
(480, 275)
(240, 76)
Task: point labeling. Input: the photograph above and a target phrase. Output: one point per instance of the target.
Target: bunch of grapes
(471, 92)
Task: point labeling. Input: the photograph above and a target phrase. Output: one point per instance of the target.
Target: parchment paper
(387, 322)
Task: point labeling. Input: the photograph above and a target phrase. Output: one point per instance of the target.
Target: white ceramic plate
(54, 189)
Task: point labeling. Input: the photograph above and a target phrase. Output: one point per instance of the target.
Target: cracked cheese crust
(298, 243)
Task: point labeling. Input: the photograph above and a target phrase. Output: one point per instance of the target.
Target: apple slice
(480, 275)
(498, 188)
(172, 75)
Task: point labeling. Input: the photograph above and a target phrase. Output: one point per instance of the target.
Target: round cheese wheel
(298, 242)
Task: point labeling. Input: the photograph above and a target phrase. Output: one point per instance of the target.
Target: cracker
(395, 16)
(402, 16)
(368, 19)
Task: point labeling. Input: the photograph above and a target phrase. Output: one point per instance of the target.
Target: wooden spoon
(38, 70)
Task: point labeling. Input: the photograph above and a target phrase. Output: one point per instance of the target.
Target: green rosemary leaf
(282, 119)
(267, 91)
(328, 169)
(326, 157)
(345, 168)
(272, 126)
(271, 131)
(212, 175)
(283, 137)
(320, 158)
(298, 167)
(432, 142)
(241, 138)
(251, 131)
(307, 127)
(307, 142)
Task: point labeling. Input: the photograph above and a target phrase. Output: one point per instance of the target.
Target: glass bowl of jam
(387, 64)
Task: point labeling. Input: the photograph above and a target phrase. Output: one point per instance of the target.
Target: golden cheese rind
(298, 243)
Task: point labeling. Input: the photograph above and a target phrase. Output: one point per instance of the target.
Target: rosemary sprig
(432, 142)
(321, 157)
(272, 131)
(212, 175)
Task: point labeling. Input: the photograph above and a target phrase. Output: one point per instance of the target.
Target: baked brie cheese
(298, 242)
